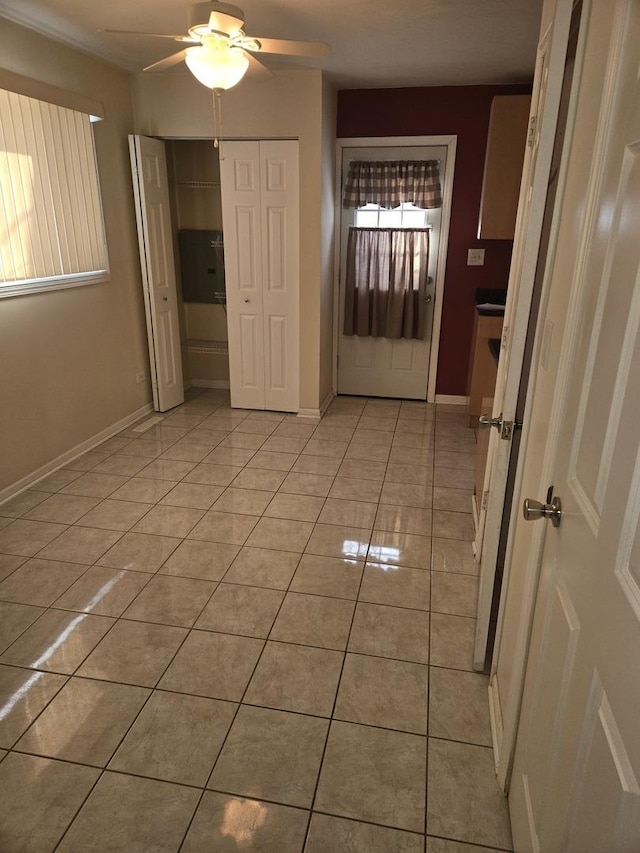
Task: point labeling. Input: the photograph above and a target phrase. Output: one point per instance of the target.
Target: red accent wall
(464, 111)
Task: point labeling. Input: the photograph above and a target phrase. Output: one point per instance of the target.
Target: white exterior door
(151, 192)
(547, 87)
(382, 367)
(260, 208)
(576, 777)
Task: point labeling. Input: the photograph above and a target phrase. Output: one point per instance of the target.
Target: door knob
(486, 421)
(532, 510)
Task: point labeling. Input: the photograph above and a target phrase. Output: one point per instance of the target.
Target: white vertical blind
(50, 205)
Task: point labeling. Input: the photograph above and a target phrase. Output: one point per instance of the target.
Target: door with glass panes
(378, 366)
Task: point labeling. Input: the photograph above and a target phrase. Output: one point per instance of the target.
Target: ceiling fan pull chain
(217, 118)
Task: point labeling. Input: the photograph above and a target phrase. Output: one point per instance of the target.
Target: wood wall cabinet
(503, 166)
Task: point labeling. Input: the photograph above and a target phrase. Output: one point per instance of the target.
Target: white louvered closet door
(260, 212)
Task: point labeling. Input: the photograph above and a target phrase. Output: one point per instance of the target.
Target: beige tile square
(374, 775)
(412, 474)
(273, 755)
(235, 456)
(272, 460)
(453, 500)
(169, 521)
(453, 525)
(145, 448)
(372, 437)
(368, 453)
(214, 665)
(171, 470)
(139, 552)
(263, 567)
(413, 441)
(328, 834)
(125, 465)
(361, 469)
(392, 632)
(142, 490)
(391, 694)
(454, 594)
(114, 515)
(54, 482)
(25, 538)
(422, 456)
(453, 478)
(14, 619)
(39, 582)
(171, 601)
(272, 828)
(103, 591)
(95, 485)
(403, 519)
(22, 503)
(316, 465)
(329, 576)
(453, 555)
(314, 620)
(465, 802)
(133, 653)
(205, 560)
(284, 444)
(186, 451)
(226, 527)
(348, 512)
(155, 746)
(257, 478)
(237, 609)
(307, 484)
(23, 695)
(296, 678)
(295, 430)
(403, 549)
(58, 641)
(87, 461)
(459, 706)
(62, 509)
(294, 507)
(280, 533)
(39, 799)
(398, 586)
(332, 540)
(403, 494)
(80, 545)
(247, 441)
(243, 501)
(171, 805)
(192, 496)
(97, 712)
(452, 641)
(253, 426)
(10, 562)
(322, 447)
(454, 461)
(349, 489)
(443, 845)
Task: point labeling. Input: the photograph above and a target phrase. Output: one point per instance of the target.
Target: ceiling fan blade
(167, 62)
(187, 39)
(258, 72)
(293, 48)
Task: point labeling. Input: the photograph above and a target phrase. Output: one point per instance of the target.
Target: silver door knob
(532, 510)
(486, 421)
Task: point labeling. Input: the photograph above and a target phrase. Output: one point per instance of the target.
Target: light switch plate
(475, 258)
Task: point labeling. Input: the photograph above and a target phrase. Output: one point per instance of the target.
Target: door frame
(450, 142)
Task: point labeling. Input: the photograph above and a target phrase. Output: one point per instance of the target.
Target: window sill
(44, 285)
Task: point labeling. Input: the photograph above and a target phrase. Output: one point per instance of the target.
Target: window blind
(49, 195)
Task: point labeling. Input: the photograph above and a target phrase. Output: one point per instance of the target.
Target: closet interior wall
(194, 180)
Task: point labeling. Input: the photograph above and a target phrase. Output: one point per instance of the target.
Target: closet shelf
(213, 347)
(199, 185)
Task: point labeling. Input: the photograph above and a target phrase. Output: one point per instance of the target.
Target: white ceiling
(374, 43)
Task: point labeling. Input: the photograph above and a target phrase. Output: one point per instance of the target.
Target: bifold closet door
(260, 213)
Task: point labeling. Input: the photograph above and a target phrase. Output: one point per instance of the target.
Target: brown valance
(390, 183)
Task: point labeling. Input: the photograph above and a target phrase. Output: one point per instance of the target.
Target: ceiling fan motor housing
(223, 17)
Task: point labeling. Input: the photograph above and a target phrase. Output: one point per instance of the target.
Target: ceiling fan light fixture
(216, 67)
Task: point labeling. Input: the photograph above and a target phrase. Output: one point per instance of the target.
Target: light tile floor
(234, 631)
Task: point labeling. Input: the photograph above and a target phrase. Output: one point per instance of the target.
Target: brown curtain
(385, 295)
(389, 183)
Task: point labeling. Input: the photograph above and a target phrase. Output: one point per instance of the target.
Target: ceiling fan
(219, 52)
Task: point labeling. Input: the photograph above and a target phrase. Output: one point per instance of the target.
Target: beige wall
(289, 105)
(69, 358)
(329, 109)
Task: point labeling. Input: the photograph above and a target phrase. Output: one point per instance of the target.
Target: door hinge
(485, 499)
(505, 337)
(531, 135)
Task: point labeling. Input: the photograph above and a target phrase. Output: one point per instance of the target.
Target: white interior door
(576, 776)
(151, 192)
(260, 212)
(381, 367)
(547, 87)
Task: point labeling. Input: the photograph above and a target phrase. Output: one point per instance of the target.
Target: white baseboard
(59, 462)
(222, 384)
(452, 399)
(318, 413)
